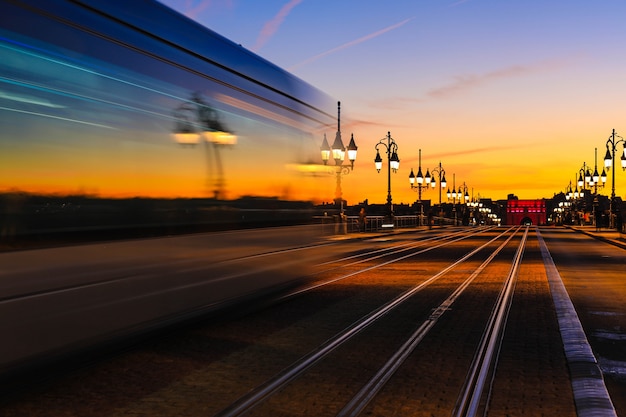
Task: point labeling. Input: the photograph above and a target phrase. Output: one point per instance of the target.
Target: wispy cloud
(356, 124)
(466, 82)
(392, 103)
(472, 81)
(464, 152)
(488, 149)
(351, 43)
(193, 11)
(272, 26)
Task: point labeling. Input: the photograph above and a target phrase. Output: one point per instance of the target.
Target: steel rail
(404, 245)
(358, 403)
(468, 402)
(330, 281)
(262, 392)
(395, 249)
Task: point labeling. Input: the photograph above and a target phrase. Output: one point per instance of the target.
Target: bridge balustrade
(350, 224)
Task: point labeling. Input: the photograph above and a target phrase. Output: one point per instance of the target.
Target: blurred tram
(125, 126)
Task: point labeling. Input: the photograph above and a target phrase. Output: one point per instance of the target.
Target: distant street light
(393, 163)
(462, 195)
(418, 182)
(452, 196)
(476, 207)
(609, 161)
(338, 152)
(442, 179)
(584, 179)
(597, 178)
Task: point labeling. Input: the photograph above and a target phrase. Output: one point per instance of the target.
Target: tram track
(384, 326)
(369, 256)
(366, 394)
(485, 359)
(261, 393)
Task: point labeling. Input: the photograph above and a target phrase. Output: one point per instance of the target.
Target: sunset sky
(511, 97)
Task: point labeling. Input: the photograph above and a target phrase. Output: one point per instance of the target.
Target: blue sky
(511, 96)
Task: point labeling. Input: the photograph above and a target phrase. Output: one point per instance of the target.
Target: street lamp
(609, 161)
(598, 178)
(453, 195)
(569, 194)
(338, 152)
(418, 182)
(475, 206)
(393, 163)
(588, 181)
(442, 179)
(462, 195)
(577, 194)
(196, 121)
(582, 180)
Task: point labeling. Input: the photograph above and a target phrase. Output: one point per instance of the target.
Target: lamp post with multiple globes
(338, 153)
(462, 195)
(442, 179)
(196, 122)
(393, 163)
(609, 161)
(418, 182)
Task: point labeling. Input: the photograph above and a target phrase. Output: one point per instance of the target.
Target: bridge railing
(351, 224)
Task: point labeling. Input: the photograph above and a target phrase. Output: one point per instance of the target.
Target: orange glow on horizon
(487, 173)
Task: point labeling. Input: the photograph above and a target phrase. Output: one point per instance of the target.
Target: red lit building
(526, 211)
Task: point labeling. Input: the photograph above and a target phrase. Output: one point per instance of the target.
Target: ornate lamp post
(442, 179)
(195, 122)
(441, 173)
(584, 180)
(568, 192)
(584, 177)
(609, 161)
(418, 182)
(462, 195)
(475, 206)
(589, 181)
(577, 195)
(338, 152)
(393, 163)
(452, 195)
(598, 178)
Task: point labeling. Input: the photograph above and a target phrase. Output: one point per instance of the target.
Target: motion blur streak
(108, 226)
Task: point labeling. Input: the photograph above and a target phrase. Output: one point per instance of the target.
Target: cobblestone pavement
(198, 371)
